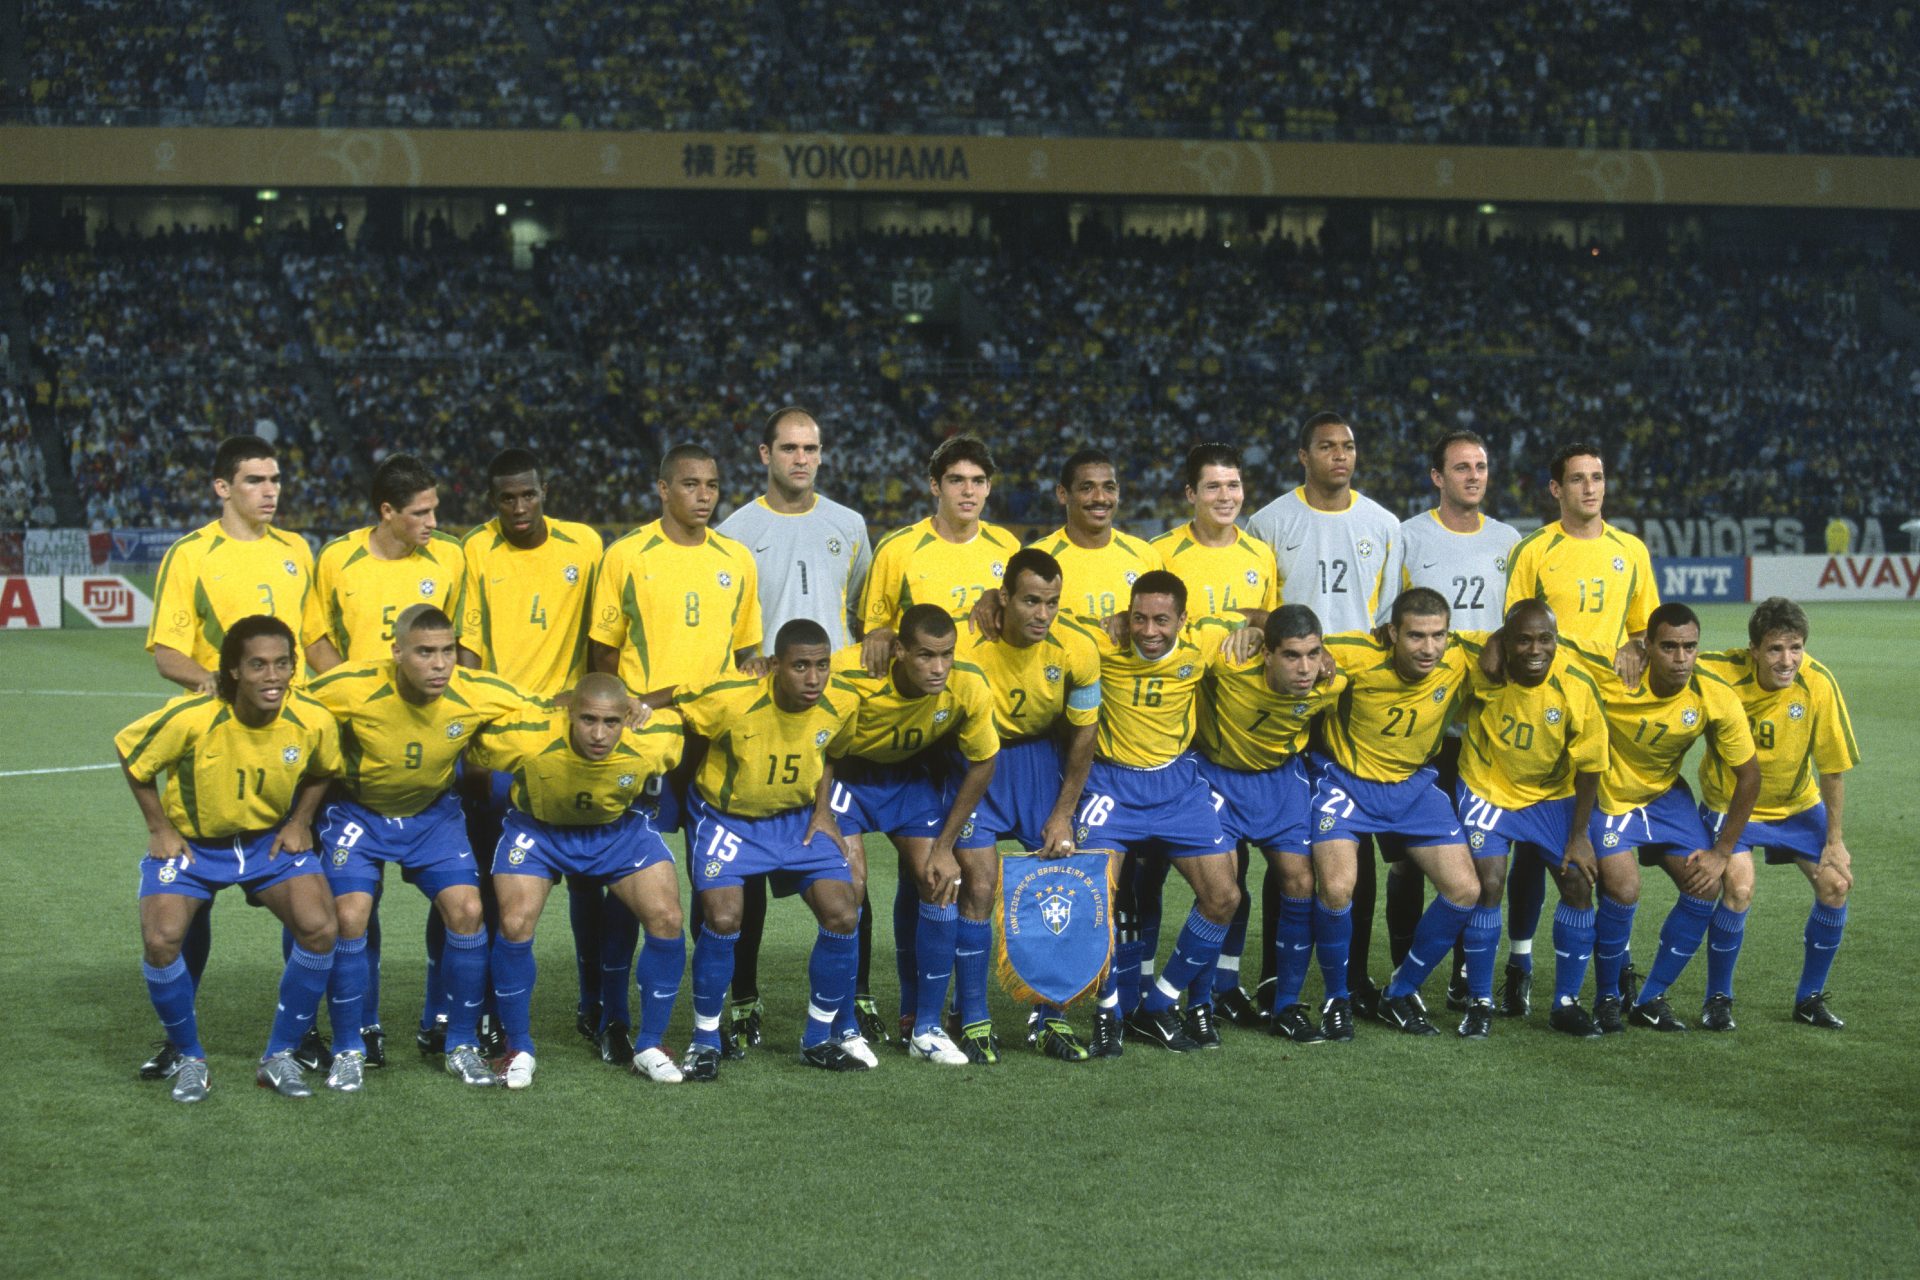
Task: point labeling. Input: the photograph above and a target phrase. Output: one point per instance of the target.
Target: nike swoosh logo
(473, 1004)
(760, 551)
(1724, 950)
(466, 855)
(1429, 564)
(1296, 546)
(1826, 946)
(307, 1018)
(502, 995)
(665, 995)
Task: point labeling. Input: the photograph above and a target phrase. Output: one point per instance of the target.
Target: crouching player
(1804, 740)
(246, 770)
(757, 807)
(1530, 768)
(576, 775)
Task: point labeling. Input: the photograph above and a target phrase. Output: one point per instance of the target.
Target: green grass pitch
(1775, 1150)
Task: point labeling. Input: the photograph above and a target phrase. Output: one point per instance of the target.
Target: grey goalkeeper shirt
(1338, 563)
(810, 565)
(1469, 569)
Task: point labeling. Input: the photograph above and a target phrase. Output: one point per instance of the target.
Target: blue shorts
(1804, 835)
(1019, 800)
(1169, 809)
(1667, 826)
(892, 799)
(1346, 807)
(610, 852)
(1544, 826)
(723, 850)
(215, 864)
(1269, 808)
(431, 847)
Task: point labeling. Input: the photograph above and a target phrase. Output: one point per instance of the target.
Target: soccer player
(1458, 551)
(1099, 562)
(362, 581)
(1377, 778)
(1252, 733)
(246, 766)
(236, 566)
(882, 778)
(1336, 550)
(1529, 776)
(1145, 795)
(812, 557)
(577, 775)
(1805, 743)
(753, 810)
(529, 588)
(1598, 580)
(1644, 803)
(1044, 674)
(404, 723)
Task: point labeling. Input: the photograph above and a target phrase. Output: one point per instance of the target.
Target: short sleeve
(1727, 723)
(1835, 749)
(173, 620)
(608, 625)
(979, 740)
(155, 741)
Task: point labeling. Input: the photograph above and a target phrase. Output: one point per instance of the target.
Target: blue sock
(514, 972)
(1572, 948)
(1194, 952)
(171, 990)
(1680, 936)
(1332, 945)
(370, 1001)
(1109, 994)
(619, 939)
(1440, 927)
(1481, 942)
(1724, 936)
(346, 990)
(846, 1021)
(1612, 937)
(712, 972)
(586, 904)
(657, 973)
(1126, 962)
(303, 984)
(465, 969)
(1226, 970)
(1526, 898)
(933, 946)
(286, 938)
(830, 978)
(195, 947)
(435, 1002)
(1824, 927)
(1293, 942)
(906, 917)
(972, 940)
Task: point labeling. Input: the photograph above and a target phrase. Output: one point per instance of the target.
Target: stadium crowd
(1759, 75)
(1730, 387)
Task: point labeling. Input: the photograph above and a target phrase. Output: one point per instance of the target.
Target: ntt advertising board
(1701, 580)
(1811, 578)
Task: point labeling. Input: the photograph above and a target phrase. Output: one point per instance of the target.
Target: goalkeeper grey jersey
(1340, 564)
(1469, 569)
(810, 565)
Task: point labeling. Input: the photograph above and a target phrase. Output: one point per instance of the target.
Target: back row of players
(1290, 686)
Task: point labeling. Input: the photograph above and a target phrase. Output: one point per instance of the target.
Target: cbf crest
(1053, 675)
(427, 587)
(1795, 711)
(1553, 715)
(1689, 717)
(293, 570)
(820, 738)
(291, 755)
(1365, 548)
(571, 573)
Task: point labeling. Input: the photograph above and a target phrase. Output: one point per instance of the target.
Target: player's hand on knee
(1580, 858)
(1837, 862)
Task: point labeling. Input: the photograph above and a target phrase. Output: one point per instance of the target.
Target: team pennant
(1055, 926)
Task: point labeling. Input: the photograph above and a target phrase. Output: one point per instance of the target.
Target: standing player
(1598, 580)
(576, 777)
(1461, 553)
(1805, 743)
(246, 768)
(881, 779)
(529, 583)
(1099, 562)
(752, 810)
(1044, 674)
(812, 557)
(1644, 803)
(1336, 550)
(234, 567)
(404, 724)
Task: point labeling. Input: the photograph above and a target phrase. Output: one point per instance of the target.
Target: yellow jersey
(676, 614)
(1649, 736)
(554, 783)
(398, 755)
(225, 778)
(1799, 733)
(1147, 705)
(761, 760)
(1036, 687)
(1381, 727)
(210, 579)
(915, 565)
(1525, 745)
(356, 595)
(889, 726)
(1098, 582)
(1246, 725)
(1600, 589)
(527, 609)
(1221, 580)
